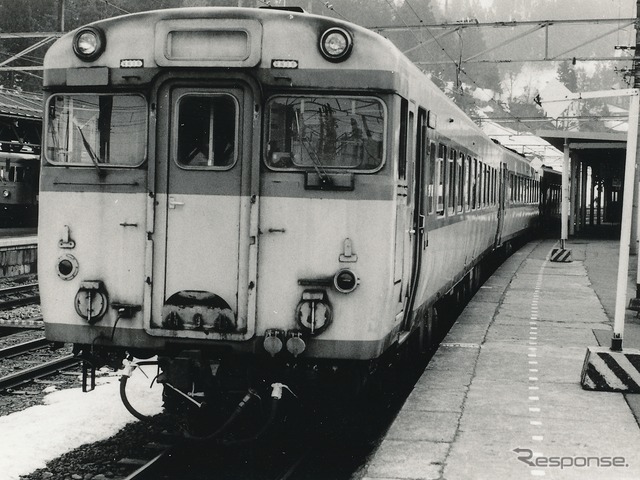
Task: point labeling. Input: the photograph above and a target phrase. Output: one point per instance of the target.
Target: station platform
(502, 396)
(18, 252)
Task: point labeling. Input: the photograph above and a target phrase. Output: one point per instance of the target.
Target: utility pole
(61, 15)
(635, 233)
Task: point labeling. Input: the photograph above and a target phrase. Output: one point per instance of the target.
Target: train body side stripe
(287, 185)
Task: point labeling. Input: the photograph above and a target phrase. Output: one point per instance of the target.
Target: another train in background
(20, 137)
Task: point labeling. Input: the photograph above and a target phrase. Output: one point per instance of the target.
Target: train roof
(149, 36)
(550, 170)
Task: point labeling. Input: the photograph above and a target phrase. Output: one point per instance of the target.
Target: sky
(537, 75)
(68, 419)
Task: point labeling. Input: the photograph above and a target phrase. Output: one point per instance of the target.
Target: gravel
(100, 460)
(95, 461)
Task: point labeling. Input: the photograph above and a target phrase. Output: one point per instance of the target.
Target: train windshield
(325, 132)
(97, 129)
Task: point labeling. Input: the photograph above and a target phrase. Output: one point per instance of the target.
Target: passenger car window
(440, 180)
(89, 129)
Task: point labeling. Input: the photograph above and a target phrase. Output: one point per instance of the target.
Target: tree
(567, 75)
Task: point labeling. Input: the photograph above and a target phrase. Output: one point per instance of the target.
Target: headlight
(89, 43)
(6, 193)
(336, 44)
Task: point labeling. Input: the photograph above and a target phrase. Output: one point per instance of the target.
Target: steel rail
(39, 371)
(148, 470)
(24, 347)
(295, 465)
(18, 288)
(19, 302)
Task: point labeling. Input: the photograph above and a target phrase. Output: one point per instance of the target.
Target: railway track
(42, 366)
(23, 347)
(312, 442)
(39, 371)
(18, 295)
(20, 304)
(163, 466)
(152, 468)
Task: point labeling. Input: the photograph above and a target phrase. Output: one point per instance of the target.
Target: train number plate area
(208, 42)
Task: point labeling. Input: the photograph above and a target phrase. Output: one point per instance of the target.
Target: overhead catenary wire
(457, 65)
(108, 3)
(330, 7)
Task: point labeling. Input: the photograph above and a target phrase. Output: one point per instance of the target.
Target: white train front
(259, 184)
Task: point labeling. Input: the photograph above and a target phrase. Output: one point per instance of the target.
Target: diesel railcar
(19, 171)
(258, 190)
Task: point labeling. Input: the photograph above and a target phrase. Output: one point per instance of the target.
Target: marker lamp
(345, 281)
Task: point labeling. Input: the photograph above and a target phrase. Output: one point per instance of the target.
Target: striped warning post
(609, 371)
(560, 255)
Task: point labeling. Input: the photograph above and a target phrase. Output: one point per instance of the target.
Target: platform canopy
(589, 146)
(20, 104)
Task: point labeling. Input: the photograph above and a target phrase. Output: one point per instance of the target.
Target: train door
(417, 232)
(203, 261)
(403, 212)
(502, 201)
(414, 221)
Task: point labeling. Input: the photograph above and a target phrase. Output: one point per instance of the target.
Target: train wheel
(140, 393)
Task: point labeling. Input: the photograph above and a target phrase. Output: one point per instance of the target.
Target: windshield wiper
(315, 159)
(89, 150)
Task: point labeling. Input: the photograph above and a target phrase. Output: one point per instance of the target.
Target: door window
(207, 131)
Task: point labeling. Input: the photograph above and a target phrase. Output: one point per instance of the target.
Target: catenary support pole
(625, 231)
(635, 217)
(566, 166)
(583, 196)
(635, 232)
(572, 196)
